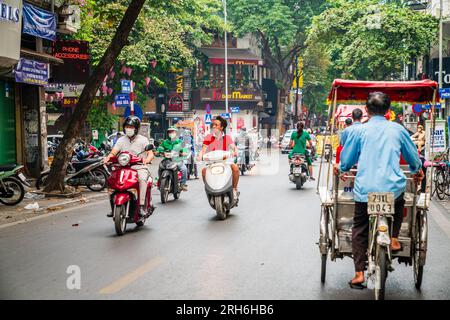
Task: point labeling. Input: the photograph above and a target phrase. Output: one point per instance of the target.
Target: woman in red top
(218, 140)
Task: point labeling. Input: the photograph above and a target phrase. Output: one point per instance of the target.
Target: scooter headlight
(124, 159)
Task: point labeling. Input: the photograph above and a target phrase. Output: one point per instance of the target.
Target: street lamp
(226, 56)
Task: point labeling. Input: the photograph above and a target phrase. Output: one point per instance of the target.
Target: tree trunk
(65, 149)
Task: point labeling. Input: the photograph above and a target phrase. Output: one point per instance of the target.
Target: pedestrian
(376, 147)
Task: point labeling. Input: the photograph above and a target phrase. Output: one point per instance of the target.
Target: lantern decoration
(112, 74)
(147, 81)
(104, 89)
(129, 71)
(57, 96)
(61, 95)
(110, 91)
(153, 62)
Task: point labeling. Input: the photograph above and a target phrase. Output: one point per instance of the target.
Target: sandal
(358, 285)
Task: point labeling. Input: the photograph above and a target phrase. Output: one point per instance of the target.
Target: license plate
(297, 170)
(22, 177)
(381, 203)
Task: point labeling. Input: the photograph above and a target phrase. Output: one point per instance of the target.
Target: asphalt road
(266, 249)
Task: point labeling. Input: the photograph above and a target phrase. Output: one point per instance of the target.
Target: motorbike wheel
(298, 183)
(380, 272)
(220, 210)
(120, 220)
(101, 176)
(42, 181)
(15, 186)
(163, 187)
(176, 196)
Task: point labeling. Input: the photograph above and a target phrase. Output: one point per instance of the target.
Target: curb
(49, 212)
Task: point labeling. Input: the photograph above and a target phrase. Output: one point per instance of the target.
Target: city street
(266, 249)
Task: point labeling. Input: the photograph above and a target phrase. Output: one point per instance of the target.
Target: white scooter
(219, 182)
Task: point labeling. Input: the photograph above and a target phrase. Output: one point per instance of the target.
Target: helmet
(132, 121)
(172, 128)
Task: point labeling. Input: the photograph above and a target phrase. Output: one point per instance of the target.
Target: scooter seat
(7, 167)
(78, 165)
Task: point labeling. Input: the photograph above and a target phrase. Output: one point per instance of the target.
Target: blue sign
(428, 106)
(137, 112)
(235, 109)
(38, 22)
(208, 118)
(126, 86)
(444, 93)
(226, 115)
(122, 100)
(31, 72)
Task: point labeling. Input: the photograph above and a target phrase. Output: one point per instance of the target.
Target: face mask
(129, 132)
(172, 135)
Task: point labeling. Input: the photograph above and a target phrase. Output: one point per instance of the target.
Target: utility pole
(440, 43)
(297, 80)
(226, 56)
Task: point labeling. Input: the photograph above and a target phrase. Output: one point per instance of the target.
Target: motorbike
(91, 173)
(298, 170)
(169, 181)
(11, 184)
(327, 152)
(241, 159)
(218, 183)
(124, 192)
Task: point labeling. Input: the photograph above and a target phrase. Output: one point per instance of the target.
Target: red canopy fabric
(401, 91)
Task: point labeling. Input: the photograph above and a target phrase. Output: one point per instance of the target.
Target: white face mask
(172, 135)
(129, 132)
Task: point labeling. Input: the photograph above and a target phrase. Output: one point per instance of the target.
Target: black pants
(360, 230)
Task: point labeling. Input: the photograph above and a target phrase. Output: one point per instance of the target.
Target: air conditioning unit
(69, 19)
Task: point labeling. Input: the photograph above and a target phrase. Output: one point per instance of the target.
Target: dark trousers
(360, 230)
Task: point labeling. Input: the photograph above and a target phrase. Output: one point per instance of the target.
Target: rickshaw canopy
(399, 91)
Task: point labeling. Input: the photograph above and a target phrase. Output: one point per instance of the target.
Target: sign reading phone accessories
(38, 22)
(31, 72)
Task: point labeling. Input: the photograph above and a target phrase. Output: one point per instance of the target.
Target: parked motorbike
(298, 170)
(91, 173)
(169, 181)
(218, 183)
(11, 184)
(124, 192)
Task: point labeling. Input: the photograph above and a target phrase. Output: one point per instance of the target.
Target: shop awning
(235, 56)
(41, 56)
(402, 91)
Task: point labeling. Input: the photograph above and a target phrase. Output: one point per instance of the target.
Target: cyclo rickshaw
(337, 201)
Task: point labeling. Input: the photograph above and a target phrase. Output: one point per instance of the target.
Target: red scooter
(124, 198)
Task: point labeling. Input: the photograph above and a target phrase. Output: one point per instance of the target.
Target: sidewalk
(17, 213)
(444, 205)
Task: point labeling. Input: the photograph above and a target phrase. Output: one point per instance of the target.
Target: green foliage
(370, 40)
(99, 118)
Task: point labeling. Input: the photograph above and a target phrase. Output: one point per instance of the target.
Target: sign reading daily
(31, 72)
(38, 22)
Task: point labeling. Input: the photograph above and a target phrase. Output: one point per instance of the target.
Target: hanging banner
(10, 30)
(38, 22)
(31, 72)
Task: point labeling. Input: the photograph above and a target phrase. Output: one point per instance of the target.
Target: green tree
(281, 27)
(370, 39)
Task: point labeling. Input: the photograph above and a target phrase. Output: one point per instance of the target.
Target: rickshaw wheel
(381, 272)
(323, 271)
(418, 269)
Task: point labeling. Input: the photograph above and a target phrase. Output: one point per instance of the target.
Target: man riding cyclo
(172, 143)
(135, 144)
(219, 140)
(299, 141)
(376, 147)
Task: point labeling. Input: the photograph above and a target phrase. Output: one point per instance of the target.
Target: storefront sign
(439, 138)
(31, 72)
(76, 67)
(10, 31)
(126, 86)
(70, 102)
(235, 110)
(175, 103)
(244, 62)
(38, 22)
